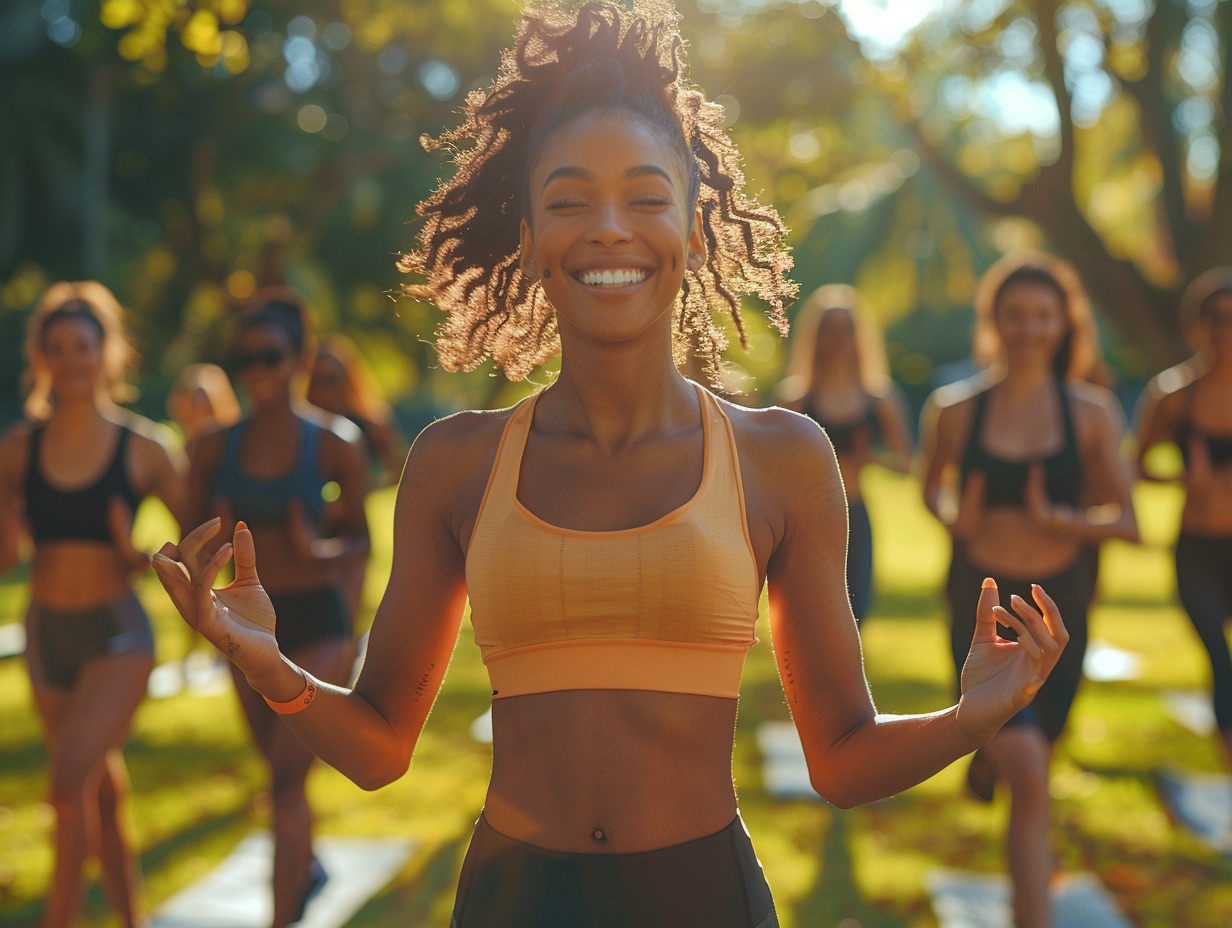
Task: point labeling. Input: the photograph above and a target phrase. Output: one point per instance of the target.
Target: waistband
(618, 664)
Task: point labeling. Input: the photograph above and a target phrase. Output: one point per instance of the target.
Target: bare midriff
(611, 771)
(1011, 544)
(70, 575)
(1210, 511)
(282, 570)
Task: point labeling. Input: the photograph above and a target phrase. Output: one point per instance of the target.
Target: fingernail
(989, 582)
(241, 526)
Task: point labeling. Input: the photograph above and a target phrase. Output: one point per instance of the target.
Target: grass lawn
(197, 787)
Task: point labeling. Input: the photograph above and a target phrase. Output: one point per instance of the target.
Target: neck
(1219, 366)
(275, 410)
(614, 396)
(1027, 378)
(837, 375)
(77, 412)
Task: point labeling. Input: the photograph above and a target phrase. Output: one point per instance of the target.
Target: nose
(609, 226)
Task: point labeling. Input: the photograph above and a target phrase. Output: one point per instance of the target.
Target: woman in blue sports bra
(1011, 455)
(838, 378)
(270, 471)
(612, 532)
(72, 475)
(1191, 406)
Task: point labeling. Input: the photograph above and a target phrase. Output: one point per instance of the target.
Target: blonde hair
(91, 301)
(867, 345)
(363, 396)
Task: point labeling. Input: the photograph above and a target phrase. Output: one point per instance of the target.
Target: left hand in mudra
(1000, 676)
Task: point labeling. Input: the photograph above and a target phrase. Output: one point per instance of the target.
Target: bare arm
(368, 733)
(1156, 423)
(854, 754)
(14, 449)
(892, 417)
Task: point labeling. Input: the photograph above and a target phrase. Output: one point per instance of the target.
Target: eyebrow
(580, 173)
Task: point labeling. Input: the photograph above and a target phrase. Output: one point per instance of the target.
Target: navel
(598, 835)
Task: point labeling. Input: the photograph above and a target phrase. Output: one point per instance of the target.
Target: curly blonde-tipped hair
(93, 302)
(564, 64)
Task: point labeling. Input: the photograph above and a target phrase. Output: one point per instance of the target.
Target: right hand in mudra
(238, 619)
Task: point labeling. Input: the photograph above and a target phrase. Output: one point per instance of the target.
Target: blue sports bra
(76, 515)
(1218, 445)
(1005, 480)
(263, 500)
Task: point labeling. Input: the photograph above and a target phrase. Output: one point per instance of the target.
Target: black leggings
(711, 882)
(1204, 582)
(309, 616)
(859, 558)
(1070, 590)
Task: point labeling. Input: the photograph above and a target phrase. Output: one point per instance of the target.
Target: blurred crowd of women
(1023, 463)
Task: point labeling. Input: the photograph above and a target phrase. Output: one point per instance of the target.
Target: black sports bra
(844, 435)
(76, 515)
(1006, 481)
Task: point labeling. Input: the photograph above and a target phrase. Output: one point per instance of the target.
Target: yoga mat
(1106, 663)
(1191, 708)
(236, 893)
(1202, 802)
(981, 900)
(784, 772)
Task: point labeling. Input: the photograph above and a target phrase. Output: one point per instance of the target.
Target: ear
(526, 248)
(697, 243)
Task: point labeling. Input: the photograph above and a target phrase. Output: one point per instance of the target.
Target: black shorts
(60, 643)
(309, 616)
(710, 882)
(1071, 589)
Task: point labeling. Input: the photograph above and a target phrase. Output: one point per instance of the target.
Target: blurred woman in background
(1190, 405)
(272, 471)
(1023, 467)
(342, 383)
(72, 475)
(838, 378)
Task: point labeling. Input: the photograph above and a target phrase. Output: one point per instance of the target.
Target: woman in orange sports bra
(613, 532)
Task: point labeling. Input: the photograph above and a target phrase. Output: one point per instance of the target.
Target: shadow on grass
(835, 899)
(414, 901)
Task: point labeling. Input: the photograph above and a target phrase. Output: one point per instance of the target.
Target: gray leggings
(60, 643)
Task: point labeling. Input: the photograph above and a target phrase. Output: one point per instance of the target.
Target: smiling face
(610, 230)
(72, 350)
(1030, 318)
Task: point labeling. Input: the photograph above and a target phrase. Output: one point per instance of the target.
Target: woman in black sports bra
(71, 477)
(1191, 406)
(1009, 456)
(837, 377)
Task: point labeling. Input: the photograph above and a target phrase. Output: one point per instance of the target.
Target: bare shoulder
(1096, 405)
(958, 395)
(338, 428)
(454, 454)
(774, 431)
(148, 436)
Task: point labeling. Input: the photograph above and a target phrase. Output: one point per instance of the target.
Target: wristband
(299, 703)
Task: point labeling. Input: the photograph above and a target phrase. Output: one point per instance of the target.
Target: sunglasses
(269, 357)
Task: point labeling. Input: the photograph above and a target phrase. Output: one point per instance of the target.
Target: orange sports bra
(668, 606)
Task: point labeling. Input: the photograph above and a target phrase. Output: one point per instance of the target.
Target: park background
(185, 152)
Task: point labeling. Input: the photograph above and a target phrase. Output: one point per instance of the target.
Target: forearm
(340, 727)
(889, 753)
(1096, 523)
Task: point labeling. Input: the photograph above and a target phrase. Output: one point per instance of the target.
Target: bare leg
(84, 725)
(121, 873)
(289, 762)
(1020, 754)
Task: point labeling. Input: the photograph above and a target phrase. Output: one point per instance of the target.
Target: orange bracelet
(299, 703)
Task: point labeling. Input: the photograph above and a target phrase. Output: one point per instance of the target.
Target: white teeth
(613, 277)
